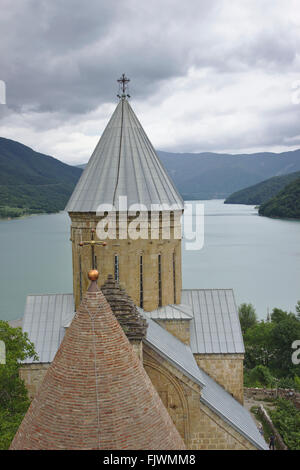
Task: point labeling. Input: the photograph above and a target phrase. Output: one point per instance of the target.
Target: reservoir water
(258, 257)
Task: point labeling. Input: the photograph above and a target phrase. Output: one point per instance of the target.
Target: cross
(92, 243)
(123, 83)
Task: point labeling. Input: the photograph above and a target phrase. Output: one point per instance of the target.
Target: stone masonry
(226, 369)
(200, 427)
(129, 253)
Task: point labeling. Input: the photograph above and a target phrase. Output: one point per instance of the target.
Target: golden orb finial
(93, 275)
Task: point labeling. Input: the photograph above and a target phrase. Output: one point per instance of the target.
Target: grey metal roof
(215, 327)
(44, 320)
(172, 312)
(212, 394)
(124, 163)
(224, 405)
(172, 349)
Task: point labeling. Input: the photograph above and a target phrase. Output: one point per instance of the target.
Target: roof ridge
(96, 393)
(124, 163)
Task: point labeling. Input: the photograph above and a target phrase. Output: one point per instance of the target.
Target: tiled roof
(124, 163)
(169, 347)
(215, 327)
(96, 393)
(123, 307)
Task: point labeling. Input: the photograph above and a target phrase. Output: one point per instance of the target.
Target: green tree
(286, 419)
(278, 315)
(298, 309)
(259, 376)
(14, 400)
(247, 316)
(259, 349)
(284, 333)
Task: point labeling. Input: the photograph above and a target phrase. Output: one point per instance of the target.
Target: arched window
(116, 268)
(141, 283)
(159, 282)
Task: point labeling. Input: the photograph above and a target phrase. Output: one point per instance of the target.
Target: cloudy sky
(206, 75)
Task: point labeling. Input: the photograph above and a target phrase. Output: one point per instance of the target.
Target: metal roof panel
(215, 326)
(124, 163)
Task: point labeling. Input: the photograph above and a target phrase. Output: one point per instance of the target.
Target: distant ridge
(217, 176)
(211, 175)
(31, 182)
(262, 192)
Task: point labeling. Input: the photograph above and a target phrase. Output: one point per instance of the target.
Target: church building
(188, 342)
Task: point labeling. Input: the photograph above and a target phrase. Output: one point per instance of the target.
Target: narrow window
(80, 278)
(116, 268)
(174, 277)
(159, 282)
(141, 283)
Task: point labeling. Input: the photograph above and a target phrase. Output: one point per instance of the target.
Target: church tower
(126, 189)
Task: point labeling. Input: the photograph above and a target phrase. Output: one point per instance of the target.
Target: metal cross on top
(123, 82)
(92, 243)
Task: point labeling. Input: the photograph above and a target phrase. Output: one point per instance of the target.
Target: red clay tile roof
(96, 393)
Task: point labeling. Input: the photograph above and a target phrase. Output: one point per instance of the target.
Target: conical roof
(124, 163)
(124, 309)
(96, 393)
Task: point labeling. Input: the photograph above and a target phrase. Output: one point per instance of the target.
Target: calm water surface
(256, 256)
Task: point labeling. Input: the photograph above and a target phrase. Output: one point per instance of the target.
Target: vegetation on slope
(286, 419)
(268, 363)
(31, 182)
(286, 204)
(14, 400)
(262, 192)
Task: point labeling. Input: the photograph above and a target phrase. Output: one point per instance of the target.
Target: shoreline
(25, 216)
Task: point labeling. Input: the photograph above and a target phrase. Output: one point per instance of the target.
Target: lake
(258, 257)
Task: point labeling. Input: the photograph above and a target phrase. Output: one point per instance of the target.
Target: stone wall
(128, 252)
(273, 393)
(199, 426)
(178, 328)
(226, 369)
(33, 375)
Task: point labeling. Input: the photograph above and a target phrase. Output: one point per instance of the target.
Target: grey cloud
(60, 59)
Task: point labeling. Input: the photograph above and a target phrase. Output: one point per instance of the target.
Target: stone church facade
(193, 350)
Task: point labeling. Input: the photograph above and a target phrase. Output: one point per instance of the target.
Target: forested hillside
(262, 192)
(31, 182)
(286, 204)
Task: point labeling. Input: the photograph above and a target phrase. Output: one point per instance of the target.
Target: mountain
(286, 204)
(262, 192)
(31, 182)
(211, 175)
(216, 176)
